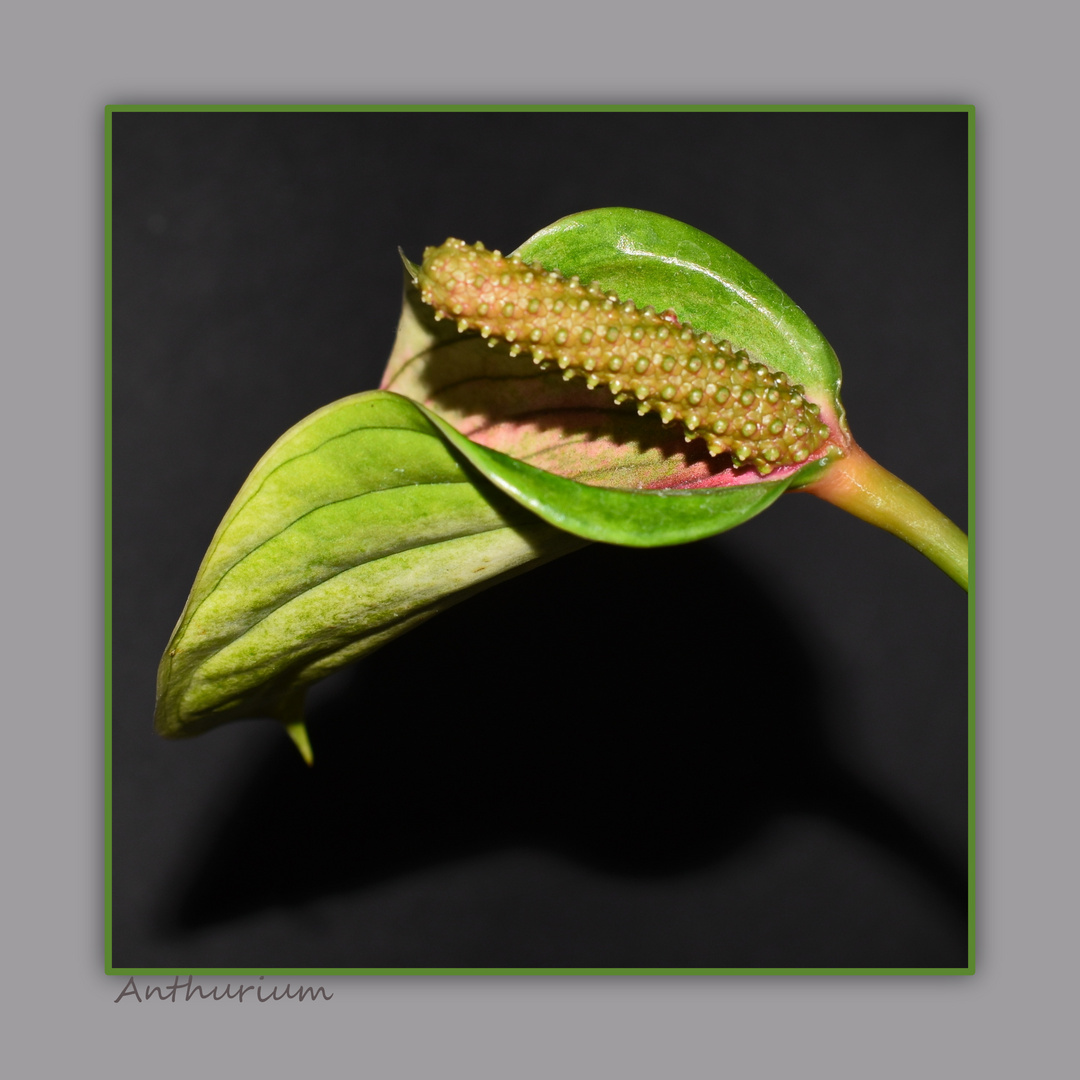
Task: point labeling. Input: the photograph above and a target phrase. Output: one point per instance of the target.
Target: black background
(689, 802)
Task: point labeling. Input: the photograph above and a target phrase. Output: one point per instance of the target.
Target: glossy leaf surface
(652, 259)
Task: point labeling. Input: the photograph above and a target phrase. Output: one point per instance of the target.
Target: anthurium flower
(670, 371)
(620, 377)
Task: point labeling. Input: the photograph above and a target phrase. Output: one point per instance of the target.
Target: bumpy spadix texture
(713, 389)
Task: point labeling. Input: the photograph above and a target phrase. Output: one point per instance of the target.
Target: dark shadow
(592, 709)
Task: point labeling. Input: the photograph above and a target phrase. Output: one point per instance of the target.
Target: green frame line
(348, 972)
(110, 110)
(107, 248)
(466, 107)
(972, 541)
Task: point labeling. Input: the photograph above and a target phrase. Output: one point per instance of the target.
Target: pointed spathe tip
(412, 268)
(298, 733)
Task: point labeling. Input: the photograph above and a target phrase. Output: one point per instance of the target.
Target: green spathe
(358, 524)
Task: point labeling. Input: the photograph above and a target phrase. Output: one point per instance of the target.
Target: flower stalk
(858, 484)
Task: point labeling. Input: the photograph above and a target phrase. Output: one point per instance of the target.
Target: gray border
(59, 1008)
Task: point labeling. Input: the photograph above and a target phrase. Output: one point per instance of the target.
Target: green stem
(858, 484)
